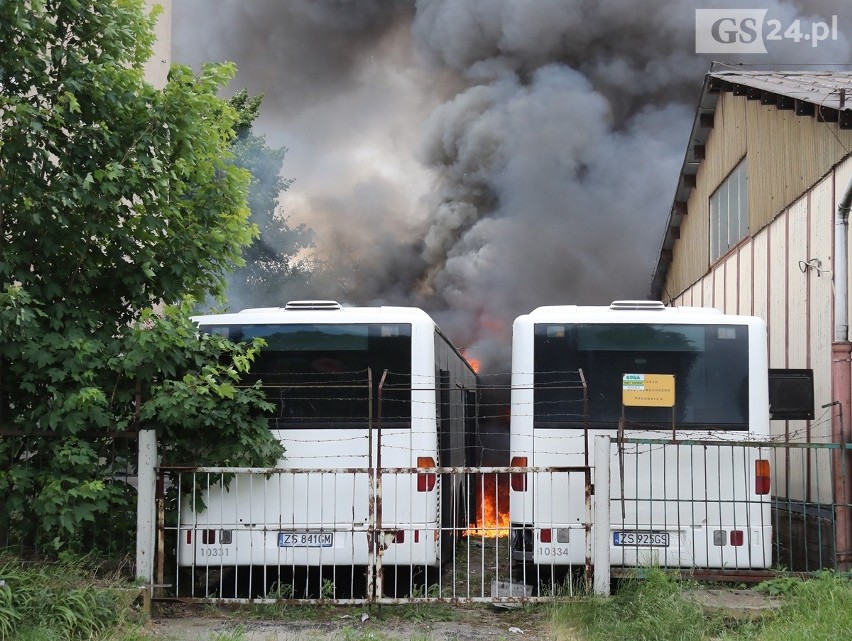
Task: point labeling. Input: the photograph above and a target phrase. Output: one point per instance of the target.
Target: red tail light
(546, 536)
(519, 479)
(761, 476)
(736, 537)
(426, 480)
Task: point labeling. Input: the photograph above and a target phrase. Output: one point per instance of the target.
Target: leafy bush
(118, 197)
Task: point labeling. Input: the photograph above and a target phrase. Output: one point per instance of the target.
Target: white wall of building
(157, 68)
(768, 275)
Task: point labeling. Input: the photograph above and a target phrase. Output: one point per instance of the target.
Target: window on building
(729, 212)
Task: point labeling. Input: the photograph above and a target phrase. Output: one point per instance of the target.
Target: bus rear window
(709, 363)
(316, 375)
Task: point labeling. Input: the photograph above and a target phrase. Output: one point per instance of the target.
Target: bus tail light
(208, 537)
(761, 476)
(546, 535)
(426, 480)
(519, 479)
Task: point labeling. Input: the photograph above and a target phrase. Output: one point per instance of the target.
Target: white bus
(702, 376)
(343, 380)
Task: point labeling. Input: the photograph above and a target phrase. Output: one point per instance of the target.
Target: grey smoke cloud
(478, 158)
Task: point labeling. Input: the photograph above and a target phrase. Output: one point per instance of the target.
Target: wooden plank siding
(771, 279)
(786, 154)
(798, 341)
(760, 275)
(745, 276)
(777, 315)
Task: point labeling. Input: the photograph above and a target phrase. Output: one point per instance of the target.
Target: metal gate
(240, 541)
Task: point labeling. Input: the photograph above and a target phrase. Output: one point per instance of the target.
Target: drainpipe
(841, 377)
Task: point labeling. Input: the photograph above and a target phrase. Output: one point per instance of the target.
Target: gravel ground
(345, 624)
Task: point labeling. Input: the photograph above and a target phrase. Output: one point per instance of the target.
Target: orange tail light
(519, 479)
(426, 480)
(761, 476)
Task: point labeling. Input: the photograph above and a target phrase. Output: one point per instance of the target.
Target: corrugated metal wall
(769, 276)
(786, 154)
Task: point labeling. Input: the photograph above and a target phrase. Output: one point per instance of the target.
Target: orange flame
(474, 362)
(492, 500)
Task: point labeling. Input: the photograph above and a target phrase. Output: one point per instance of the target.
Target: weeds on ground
(818, 609)
(237, 634)
(283, 611)
(59, 601)
(418, 612)
(650, 609)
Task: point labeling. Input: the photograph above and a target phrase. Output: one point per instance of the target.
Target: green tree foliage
(272, 263)
(115, 198)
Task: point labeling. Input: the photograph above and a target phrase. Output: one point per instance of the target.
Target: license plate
(305, 539)
(641, 539)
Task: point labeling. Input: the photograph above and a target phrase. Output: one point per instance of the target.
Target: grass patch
(643, 610)
(654, 609)
(62, 601)
(818, 609)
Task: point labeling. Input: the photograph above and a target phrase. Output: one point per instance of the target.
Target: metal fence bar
(601, 516)
(709, 525)
(802, 516)
(146, 517)
(471, 562)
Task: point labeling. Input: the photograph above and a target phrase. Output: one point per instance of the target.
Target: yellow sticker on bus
(648, 390)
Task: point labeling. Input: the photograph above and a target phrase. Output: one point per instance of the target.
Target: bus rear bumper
(728, 547)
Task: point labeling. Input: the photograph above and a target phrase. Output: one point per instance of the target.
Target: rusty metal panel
(462, 553)
(701, 499)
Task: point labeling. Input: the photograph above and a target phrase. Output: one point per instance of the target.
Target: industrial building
(759, 226)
